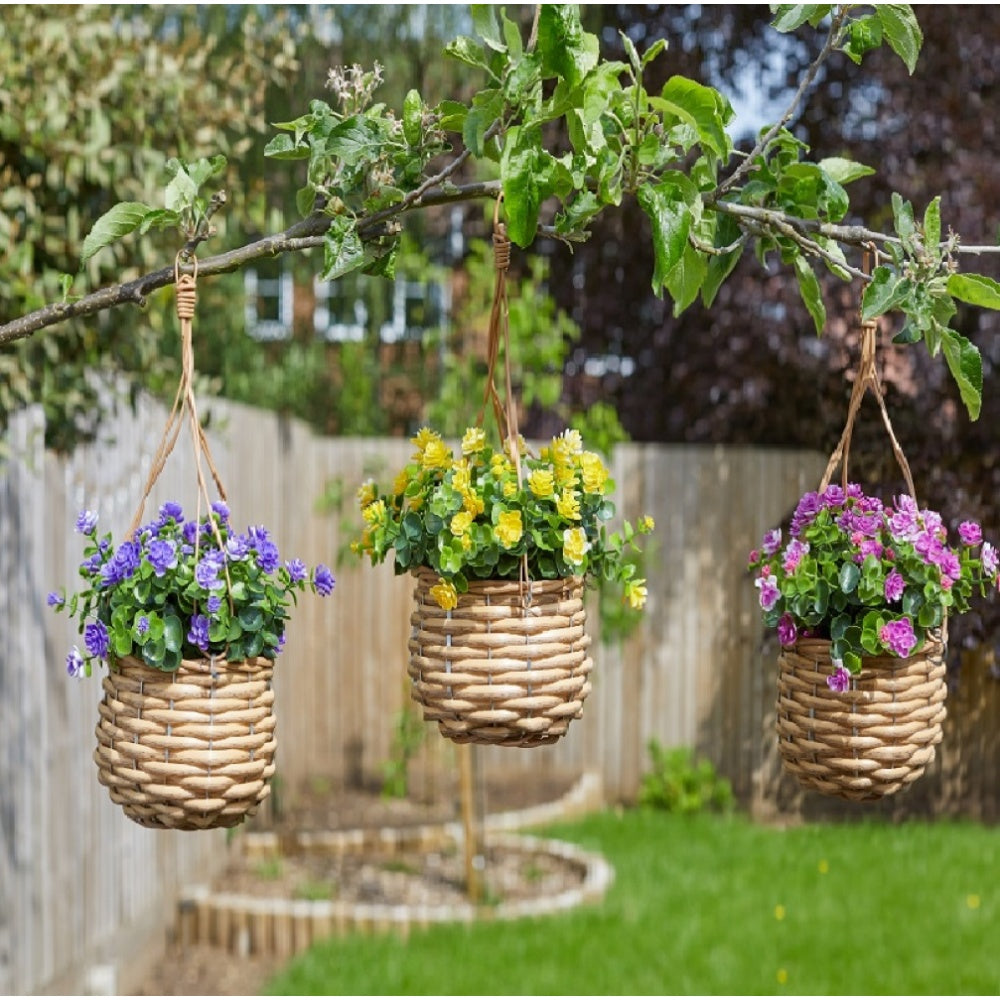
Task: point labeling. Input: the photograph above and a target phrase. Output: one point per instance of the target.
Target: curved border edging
(253, 925)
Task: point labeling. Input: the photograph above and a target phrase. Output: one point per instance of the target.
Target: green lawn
(707, 905)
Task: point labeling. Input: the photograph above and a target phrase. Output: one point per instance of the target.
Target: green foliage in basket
(872, 578)
(471, 517)
(679, 782)
(183, 589)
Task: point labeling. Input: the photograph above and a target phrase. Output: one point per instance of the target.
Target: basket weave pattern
(501, 669)
(187, 751)
(869, 741)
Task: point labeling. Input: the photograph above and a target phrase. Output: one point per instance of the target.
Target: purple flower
(172, 509)
(122, 564)
(833, 496)
(898, 636)
(142, 625)
(793, 555)
(213, 604)
(237, 548)
(870, 547)
(839, 680)
(949, 564)
(221, 509)
(970, 533)
(769, 593)
(96, 639)
(787, 632)
(281, 644)
(268, 558)
(894, 586)
(206, 573)
(190, 532)
(323, 580)
(74, 663)
(198, 633)
(989, 559)
(806, 511)
(55, 600)
(297, 571)
(162, 556)
(86, 523)
(772, 542)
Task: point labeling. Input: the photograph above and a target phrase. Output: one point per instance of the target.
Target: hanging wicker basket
(190, 750)
(508, 666)
(871, 740)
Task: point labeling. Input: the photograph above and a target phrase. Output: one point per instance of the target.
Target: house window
(268, 303)
(340, 314)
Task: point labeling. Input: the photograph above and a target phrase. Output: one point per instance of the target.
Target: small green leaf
(899, 24)
(975, 289)
(810, 291)
(173, 633)
(342, 249)
(413, 109)
(882, 293)
(113, 225)
(467, 50)
(705, 107)
(966, 367)
(932, 223)
(789, 16)
(684, 281)
(181, 192)
(484, 21)
(848, 577)
(251, 619)
(844, 171)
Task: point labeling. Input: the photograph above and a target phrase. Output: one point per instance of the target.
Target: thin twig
(804, 85)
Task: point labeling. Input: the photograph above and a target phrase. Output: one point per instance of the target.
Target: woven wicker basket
(190, 750)
(871, 740)
(501, 669)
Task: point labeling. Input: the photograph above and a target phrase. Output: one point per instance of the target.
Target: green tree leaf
(705, 107)
(884, 292)
(342, 249)
(975, 289)
(789, 16)
(413, 109)
(843, 171)
(810, 291)
(668, 207)
(284, 147)
(932, 223)
(113, 225)
(684, 281)
(484, 21)
(900, 27)
(566, 50)
(966, 367)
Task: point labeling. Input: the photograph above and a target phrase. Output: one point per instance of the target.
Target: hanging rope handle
(867, 378)
(504, 411)
(184, 402)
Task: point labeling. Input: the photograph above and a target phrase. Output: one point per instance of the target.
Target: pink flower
(989, 559)
(793, 555)
(839, 680)
(787, 632)
(898, 637)
(970, 533)
(754, 556)
(894, 586)
(946, 582)
(772, 542)
(769, 593)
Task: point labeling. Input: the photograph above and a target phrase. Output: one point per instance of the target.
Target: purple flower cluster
(181, 582)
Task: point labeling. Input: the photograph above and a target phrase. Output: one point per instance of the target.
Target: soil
(205, 971)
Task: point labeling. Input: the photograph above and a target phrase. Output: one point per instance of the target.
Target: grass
(711, 905)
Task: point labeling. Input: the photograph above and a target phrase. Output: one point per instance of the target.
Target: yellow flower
(565, 475)
(499, 465)
(575, 546)
(573, 441)
(568, 505)
(445, 594)
(466, 542)
(400, 483)
(424, 436)
(437, 455)
(461, 478)
(635, 594)
(374, 512)
(473, 441)
(461, 522)
(540, 482)
(509, 528)
(473, 503)
(646, 525)
(594, 473)
(367, 494)
(510, 489)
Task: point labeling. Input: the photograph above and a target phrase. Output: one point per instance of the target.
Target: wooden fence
(83, 888)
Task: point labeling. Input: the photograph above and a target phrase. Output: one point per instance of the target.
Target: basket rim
(204, 665)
